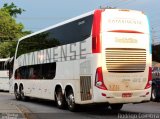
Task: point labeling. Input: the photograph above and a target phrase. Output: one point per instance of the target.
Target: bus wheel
(16, 93)
(23, 97)
(116, 106)
(59, 98)
(153, 94)
(70, 100)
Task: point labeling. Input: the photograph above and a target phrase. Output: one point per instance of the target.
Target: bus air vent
(125, 60)
(85, 88)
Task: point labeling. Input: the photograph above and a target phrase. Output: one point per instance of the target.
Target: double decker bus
(4, 75)
(103, 57)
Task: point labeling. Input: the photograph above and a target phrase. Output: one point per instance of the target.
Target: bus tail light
(99, 79)
(149, 83)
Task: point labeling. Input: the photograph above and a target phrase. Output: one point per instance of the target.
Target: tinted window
(73, 32)
(39, 71)
(1, 65)
(4, 66)
(68, 33)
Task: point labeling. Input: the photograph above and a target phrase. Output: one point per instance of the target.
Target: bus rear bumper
(112, 97)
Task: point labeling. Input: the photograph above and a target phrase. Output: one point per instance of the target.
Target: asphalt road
(43, 109)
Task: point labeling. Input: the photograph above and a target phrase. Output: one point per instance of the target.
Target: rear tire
(70, 100)
(16, 93)
(59, 98)
(116, 107)
(154, 94)
(23, 97)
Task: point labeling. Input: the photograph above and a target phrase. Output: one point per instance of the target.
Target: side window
(72, 32)
(11, 64)
(2, 66)
(40, 71)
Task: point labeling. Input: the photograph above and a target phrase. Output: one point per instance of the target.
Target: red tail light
(99, 79)
(149, 83)
(96, 28)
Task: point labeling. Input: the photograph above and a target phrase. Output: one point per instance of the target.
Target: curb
(28, 114)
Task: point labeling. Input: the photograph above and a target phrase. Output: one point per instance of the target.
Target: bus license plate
(126, 95)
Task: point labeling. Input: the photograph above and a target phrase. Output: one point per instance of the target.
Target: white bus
(4, 75)
(103, 56)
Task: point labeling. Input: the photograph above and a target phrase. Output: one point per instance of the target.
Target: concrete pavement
(8, 110)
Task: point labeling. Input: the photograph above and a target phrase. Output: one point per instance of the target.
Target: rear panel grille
(124, 60)
(85, 87)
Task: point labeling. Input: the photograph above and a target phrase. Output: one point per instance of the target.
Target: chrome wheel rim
(153, 94)
(59, 99)
(71, 100)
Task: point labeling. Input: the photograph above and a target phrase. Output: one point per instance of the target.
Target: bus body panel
(125, 57)
(119, 56)
(113, 97)
(4, 75)
(4, 80)
(128, 20)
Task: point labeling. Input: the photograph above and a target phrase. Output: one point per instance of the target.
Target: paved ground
(8, 109)
(42, 109)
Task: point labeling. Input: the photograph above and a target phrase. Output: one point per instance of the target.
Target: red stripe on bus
(126, 31)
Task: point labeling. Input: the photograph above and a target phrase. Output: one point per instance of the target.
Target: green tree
(10, 31)
(7, 49)
(12, 9)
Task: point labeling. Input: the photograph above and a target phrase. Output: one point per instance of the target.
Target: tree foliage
(10, 31)
(12, 9)
(7, 49)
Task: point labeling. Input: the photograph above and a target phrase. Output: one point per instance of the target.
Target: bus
(4, 75)
(100, 57)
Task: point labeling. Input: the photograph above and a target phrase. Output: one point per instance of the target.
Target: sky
(41, 14)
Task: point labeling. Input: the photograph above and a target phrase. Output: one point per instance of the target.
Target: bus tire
(59, 98)
(116, 106)
(16, 93)
(70, 100)
(154, 94)
(23, 97)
